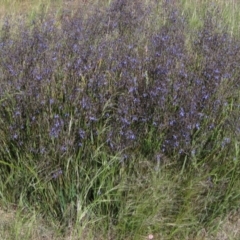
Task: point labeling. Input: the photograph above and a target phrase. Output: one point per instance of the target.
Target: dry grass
(36, 229)
(17, 9)
(17, 225)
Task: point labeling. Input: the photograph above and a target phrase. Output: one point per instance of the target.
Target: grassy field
(119, 120)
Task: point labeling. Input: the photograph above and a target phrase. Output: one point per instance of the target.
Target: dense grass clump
(102, 114)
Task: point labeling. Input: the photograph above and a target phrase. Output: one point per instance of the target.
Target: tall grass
(119, 121)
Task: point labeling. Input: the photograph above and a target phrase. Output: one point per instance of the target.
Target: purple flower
(92, 119)
(51, 101)
(56, 174)
(82, 133)
(130, 135)
(182, 113)
(15, 136)
(57, 127)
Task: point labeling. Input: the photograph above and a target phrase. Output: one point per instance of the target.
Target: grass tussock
(119, 120)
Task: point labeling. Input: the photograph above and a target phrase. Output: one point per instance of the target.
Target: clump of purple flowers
(96, 82)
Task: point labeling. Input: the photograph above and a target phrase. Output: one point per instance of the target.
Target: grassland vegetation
(120, 120)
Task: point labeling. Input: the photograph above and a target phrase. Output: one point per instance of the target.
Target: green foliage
(122, 122)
